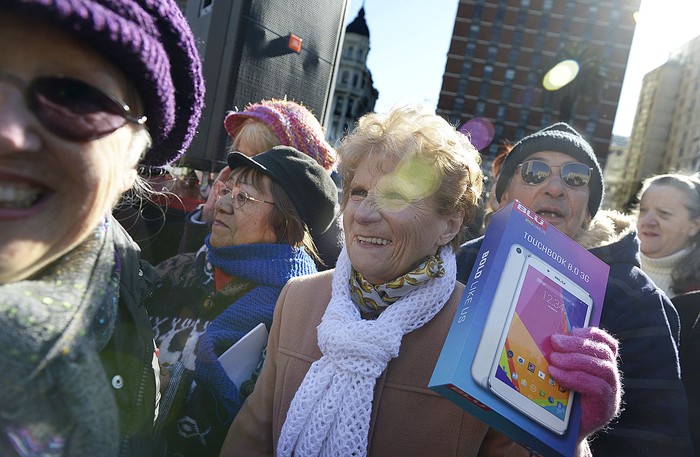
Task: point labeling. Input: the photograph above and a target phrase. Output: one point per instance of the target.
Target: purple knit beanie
(152, 44)
(293, 124)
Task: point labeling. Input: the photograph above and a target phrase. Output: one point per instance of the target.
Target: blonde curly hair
(412, 133)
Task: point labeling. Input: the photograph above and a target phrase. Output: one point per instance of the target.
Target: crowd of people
(104, 354)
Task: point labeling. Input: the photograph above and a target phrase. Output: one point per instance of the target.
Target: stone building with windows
(665, 134)
(354, 94)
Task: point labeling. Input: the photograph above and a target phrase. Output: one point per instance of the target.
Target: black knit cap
(309, 186)
(560, 137)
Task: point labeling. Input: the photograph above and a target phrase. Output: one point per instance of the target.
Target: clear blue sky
(409, 40)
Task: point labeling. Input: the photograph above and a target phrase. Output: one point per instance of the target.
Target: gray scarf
(55, 398)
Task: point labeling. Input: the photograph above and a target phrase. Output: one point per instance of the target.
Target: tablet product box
(471, 369)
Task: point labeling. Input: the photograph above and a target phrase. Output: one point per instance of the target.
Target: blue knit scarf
(269, 266)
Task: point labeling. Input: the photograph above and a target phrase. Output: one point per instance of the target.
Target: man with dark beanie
(555, 173)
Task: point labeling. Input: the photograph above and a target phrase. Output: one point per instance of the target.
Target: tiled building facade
(502, 49)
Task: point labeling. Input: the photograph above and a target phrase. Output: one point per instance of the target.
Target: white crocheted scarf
(330, 413)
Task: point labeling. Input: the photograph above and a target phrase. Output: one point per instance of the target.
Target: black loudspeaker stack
(251, 50)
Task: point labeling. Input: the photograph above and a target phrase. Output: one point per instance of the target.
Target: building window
(471, 47)
(500, 12)
(351, 51)
(334, 129)
(510, 74)
(360, 54)
(350, 112)
(344, 78)
(338, 110)
(354, 79)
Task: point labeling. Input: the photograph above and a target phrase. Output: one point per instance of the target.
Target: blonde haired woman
(351, 350)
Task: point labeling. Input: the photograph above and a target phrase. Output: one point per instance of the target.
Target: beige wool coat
(408, 419)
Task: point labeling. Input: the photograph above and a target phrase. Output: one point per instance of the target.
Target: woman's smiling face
(388, 231)
(53, 192)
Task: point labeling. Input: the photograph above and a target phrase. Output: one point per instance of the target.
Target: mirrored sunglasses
(73, 109)
(573, 174)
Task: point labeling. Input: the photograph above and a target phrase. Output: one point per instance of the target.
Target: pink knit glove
(586, 362)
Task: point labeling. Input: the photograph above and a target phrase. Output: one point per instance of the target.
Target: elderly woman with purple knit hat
(88, 90)
(258, 128)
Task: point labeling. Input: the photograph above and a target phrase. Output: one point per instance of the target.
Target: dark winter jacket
(654, 419)
(195, 323)
(77, 354)
(688, 306)
(128, 357)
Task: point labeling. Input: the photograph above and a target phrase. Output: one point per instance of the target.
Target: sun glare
(663, 26)
(560, 75)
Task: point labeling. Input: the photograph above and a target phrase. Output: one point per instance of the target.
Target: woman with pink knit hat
(258, 128)
(283, 122)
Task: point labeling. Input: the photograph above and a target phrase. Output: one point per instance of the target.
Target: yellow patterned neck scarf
(372, 300)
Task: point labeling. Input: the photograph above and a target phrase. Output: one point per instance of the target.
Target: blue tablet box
(514, 224)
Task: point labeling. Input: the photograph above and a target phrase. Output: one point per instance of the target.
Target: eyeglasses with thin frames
(240, 198)
(73, 109)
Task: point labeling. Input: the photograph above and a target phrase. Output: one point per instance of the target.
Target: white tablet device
(545, 302)
(498, 313)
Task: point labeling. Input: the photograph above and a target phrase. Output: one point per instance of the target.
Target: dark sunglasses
(573, 174)
(73, 109)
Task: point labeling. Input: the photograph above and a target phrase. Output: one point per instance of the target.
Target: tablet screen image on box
(544, 303)
(516, 242)
(498, 313)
